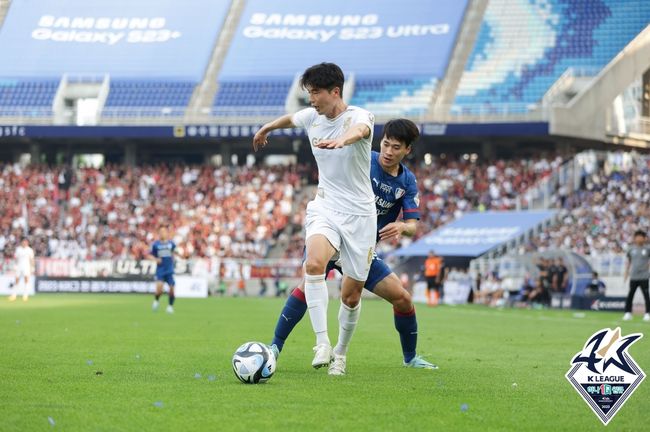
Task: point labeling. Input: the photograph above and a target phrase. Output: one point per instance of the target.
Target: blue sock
(172, 298)
(293, 311)
(407, 326)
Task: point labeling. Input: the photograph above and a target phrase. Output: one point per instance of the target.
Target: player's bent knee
(403, 302)
(314, 267)
(351, 299)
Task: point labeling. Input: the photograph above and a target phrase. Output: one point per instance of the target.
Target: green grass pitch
(108, 363)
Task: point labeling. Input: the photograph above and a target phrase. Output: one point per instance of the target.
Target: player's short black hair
(323, 76)
(402, 130)
(640, 233)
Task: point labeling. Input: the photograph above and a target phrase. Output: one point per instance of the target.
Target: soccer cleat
(155, 305)
(275, 350)
(337, 367)
(12, 297)
(646, 317)
(418, 362)
(170, 309)
(323, 356)
(627, 316)
(25, 298)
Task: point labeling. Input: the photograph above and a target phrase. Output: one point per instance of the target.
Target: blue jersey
(165, 251)
(393, 194)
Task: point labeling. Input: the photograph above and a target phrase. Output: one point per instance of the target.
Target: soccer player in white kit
(342, 219)
(24, 257)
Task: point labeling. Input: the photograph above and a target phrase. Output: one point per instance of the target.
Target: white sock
(348, 319)
(317, 299)
(25, 288)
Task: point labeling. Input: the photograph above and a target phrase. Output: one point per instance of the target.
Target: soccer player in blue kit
(395, 190)
(162, 251)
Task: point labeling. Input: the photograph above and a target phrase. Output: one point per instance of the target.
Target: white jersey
(24, 257)
(343, 174)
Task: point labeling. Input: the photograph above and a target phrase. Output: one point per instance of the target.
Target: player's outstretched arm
(261, 137)
(354, 134)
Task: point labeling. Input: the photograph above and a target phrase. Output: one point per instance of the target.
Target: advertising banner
(379, 38)
(186, 286)
(127, 39)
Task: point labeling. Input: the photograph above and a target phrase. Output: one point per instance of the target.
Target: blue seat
(124, 95)
(17, 96)
(241, 98)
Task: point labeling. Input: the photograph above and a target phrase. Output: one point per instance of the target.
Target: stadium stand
(523, 47)
(252, 97)
(601, 216)
(393, 96)
(115, 211)
(148, 98)
(27, 97)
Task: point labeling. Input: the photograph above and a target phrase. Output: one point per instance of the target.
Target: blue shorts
(379, 270)
(167, 278)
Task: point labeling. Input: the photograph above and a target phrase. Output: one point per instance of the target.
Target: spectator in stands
(596, 287)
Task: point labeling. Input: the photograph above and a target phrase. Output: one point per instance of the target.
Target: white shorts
(23, 271)
(351, 235)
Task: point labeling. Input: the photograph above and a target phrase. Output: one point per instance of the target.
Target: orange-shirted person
(433, 275)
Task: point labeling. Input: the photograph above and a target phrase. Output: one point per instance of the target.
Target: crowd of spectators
(612, 202)
(115, 211)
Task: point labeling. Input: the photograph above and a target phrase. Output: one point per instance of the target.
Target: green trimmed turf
(45, 346)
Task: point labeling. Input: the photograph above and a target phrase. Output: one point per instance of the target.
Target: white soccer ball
(253, 363)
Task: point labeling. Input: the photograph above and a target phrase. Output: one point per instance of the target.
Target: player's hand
(159, 260)
(330, 144)
(260, 139)
(391, 230)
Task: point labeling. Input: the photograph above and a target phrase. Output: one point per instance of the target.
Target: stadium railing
(171, 115)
